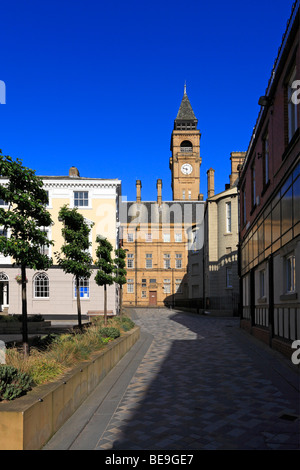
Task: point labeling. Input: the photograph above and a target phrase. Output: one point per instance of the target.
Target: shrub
(127, 324)
(109, 332)
(13, 383)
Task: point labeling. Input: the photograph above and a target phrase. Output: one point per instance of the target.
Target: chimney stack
(138, 190)
(73, 172)
(237, 159)
(210, 182)
(159, 186)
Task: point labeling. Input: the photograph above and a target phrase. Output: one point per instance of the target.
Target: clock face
(186, 169)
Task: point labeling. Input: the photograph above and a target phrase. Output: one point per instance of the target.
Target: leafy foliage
(109, 332)
(13, 383)
(25, 215)
(120, 271)
(104, 262)
(76, 259)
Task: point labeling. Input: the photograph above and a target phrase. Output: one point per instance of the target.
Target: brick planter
(28, 422)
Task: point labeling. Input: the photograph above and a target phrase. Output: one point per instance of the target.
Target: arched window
(41, 285)
(3, 277)
(84, 288)
(186, 146)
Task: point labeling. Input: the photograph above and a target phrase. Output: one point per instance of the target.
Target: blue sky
(98, 84)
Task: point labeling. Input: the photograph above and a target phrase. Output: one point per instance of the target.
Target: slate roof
(185, 112)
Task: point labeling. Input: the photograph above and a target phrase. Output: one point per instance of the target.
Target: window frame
(84, 283)
(77, 198)
(41, 286)
(228, 217)
(130, 260)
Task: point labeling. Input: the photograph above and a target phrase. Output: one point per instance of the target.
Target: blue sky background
(98, 84)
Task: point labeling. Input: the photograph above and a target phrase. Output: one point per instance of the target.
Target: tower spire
(184, 90)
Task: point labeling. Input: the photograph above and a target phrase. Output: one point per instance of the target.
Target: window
(178, 237)
(152, 281)
(178, 285)
(130, 288)
(262, 283)
(144, 283)
(41, 285)
(148, 260)
(186, 146)
(144, 294)
(253, 186)
(195, 291)
(130, 260)
(228, 217)
(47, 192)
(167, 286)
(244, 205)
(292, 106)
(45, 249)
(183, 194)
(290, 273)
(148, 237)
(178, 260)
(265, 159)
(81, 198)
(167, 261)
(190, 194)
(84, 288)
(3, 203)
(130, 237)
(166, 237)
(228, 277)
(195, 269)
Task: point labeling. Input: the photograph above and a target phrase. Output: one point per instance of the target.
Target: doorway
(3, 291)
(152, 297)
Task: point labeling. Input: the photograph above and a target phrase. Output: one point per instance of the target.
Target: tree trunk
(24, 313)
(78, 302)
(121, 300)
(105, 305)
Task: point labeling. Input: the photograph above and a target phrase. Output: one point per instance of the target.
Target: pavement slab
(191, 382)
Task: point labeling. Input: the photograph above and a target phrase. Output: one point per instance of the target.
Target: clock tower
(185, 147)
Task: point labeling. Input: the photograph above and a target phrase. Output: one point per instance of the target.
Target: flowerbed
(54, 354)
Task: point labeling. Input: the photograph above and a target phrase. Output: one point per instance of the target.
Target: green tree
(104, 263)
(25, 217)
(120, 273)
(75, 257)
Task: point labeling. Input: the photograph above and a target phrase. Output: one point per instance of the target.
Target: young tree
(25, 217)
(120, 273)
(105, 266)
(75, 257)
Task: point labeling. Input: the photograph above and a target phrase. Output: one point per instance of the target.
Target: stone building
(52, 292)
(158, 234)
(221, 239)
(270, 204)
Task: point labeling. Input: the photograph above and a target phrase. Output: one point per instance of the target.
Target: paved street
(192, 382)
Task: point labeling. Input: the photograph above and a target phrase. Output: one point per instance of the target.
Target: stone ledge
(28, 422)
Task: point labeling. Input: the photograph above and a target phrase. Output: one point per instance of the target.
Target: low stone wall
(30, 421)
(16, 327)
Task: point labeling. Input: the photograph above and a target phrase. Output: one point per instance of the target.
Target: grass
(55, 354)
